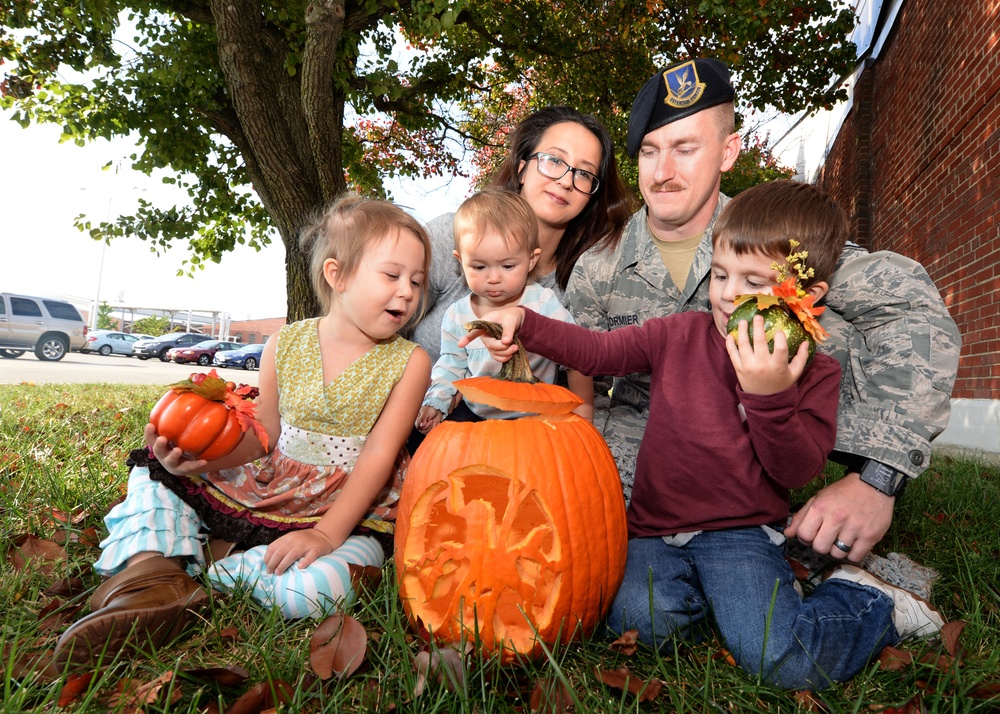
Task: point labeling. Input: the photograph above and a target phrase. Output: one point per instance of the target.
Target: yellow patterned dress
(323, 430)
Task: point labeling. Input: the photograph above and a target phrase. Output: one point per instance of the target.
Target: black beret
(677, 92)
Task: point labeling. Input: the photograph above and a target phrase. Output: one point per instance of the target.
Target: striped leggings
(154, 519)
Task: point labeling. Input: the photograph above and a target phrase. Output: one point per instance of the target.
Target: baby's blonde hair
(346, 230)
(498, 211)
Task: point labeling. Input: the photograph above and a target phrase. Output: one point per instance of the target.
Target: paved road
(77, 368)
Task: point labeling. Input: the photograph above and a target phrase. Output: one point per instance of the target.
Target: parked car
(202, 353)
(247, 357)
(50, 328)
(106, 342)
(159, 346)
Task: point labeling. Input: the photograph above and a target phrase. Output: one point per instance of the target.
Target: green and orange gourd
(786, 308)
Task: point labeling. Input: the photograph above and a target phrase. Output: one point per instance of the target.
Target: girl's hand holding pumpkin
(304, 546)
(171, 458)
(760, 371)
(510, 319)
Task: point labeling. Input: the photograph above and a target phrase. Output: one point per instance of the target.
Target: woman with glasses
(562, 162)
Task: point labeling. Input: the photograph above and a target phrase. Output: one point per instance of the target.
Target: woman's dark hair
(604, 217)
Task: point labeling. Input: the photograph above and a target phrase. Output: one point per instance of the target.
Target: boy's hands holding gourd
(760, 371)
(510, 319)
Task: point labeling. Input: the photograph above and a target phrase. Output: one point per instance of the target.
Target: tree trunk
(285, 142)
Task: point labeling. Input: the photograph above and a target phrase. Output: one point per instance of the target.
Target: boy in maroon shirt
(732, 428)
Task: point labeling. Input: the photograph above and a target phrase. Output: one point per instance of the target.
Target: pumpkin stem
(516, 369)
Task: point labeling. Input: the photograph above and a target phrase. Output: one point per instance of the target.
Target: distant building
(914, 158)
(250, 332)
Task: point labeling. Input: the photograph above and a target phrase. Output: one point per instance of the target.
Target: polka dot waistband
(316, 449)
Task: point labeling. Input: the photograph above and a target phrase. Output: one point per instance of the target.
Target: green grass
(63, 448)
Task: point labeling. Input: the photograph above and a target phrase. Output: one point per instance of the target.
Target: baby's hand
(427, 419)
(303, 546)
(171, 458)
(758, 370)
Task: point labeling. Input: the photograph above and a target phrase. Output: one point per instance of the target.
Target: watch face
(884, 478)
(882, 475)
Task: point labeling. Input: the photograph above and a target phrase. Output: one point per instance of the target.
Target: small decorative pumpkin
(511, 532)
(205, 416)
(788, 308)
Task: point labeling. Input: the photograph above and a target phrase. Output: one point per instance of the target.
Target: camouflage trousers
(622, 426)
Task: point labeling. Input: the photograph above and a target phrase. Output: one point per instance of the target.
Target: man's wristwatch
(884, 478)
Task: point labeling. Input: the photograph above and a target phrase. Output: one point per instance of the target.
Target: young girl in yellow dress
(338, 395)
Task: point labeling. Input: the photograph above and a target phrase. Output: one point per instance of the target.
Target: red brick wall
(922, 172)
(255, 331)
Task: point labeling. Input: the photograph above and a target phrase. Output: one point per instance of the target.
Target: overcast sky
(44, 185)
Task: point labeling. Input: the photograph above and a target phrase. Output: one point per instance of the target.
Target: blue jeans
(742, 580)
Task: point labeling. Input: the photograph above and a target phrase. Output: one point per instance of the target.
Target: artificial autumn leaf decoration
(205, 416)
(788, 308)
(511, 532)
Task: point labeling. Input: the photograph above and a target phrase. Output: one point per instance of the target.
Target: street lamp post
(100, 274)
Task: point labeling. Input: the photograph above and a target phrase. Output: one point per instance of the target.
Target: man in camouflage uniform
(888, 325)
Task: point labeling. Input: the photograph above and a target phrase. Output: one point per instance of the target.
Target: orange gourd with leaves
(511, 531)
(205, 416)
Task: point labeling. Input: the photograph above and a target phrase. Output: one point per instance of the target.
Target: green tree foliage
(265, 112)
(104, 319)
(151, 325)
(755, 164)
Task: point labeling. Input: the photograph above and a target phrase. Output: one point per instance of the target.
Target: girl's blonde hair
(501, 212)
(346, 230)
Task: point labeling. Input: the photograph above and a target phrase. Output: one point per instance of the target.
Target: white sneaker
(912, 615)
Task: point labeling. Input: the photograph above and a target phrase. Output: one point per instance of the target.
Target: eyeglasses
(555, 168)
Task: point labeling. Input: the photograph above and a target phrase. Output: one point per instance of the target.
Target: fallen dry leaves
(338, 647)
(45, 556)
(131, 696)
(263, 697)
(444, 665)
(550, 696)
(627, 644)
(645, 691)
(226, 676)
(894, 659)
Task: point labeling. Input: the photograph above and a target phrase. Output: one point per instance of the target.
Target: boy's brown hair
(498, 211)
(764, 218)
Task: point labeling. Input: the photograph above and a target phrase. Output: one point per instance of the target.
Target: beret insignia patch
(683, 87)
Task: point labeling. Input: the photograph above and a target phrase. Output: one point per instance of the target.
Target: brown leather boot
(145, 605)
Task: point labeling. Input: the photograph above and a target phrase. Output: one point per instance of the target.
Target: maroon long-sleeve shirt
(712, 456)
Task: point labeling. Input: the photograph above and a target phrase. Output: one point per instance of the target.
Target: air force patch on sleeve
(683, 86)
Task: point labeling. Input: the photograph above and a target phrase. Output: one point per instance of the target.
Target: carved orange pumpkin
(511, 532)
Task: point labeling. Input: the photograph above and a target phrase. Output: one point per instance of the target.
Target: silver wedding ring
(842, 545)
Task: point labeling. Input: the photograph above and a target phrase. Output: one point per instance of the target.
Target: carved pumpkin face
(508, 528)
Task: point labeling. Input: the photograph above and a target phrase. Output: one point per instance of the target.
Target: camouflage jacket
(889, 329)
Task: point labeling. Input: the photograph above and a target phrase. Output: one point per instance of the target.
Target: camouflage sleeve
(900, 356)
(589, 287)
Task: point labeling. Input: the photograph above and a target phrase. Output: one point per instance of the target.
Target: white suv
(49, 327)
